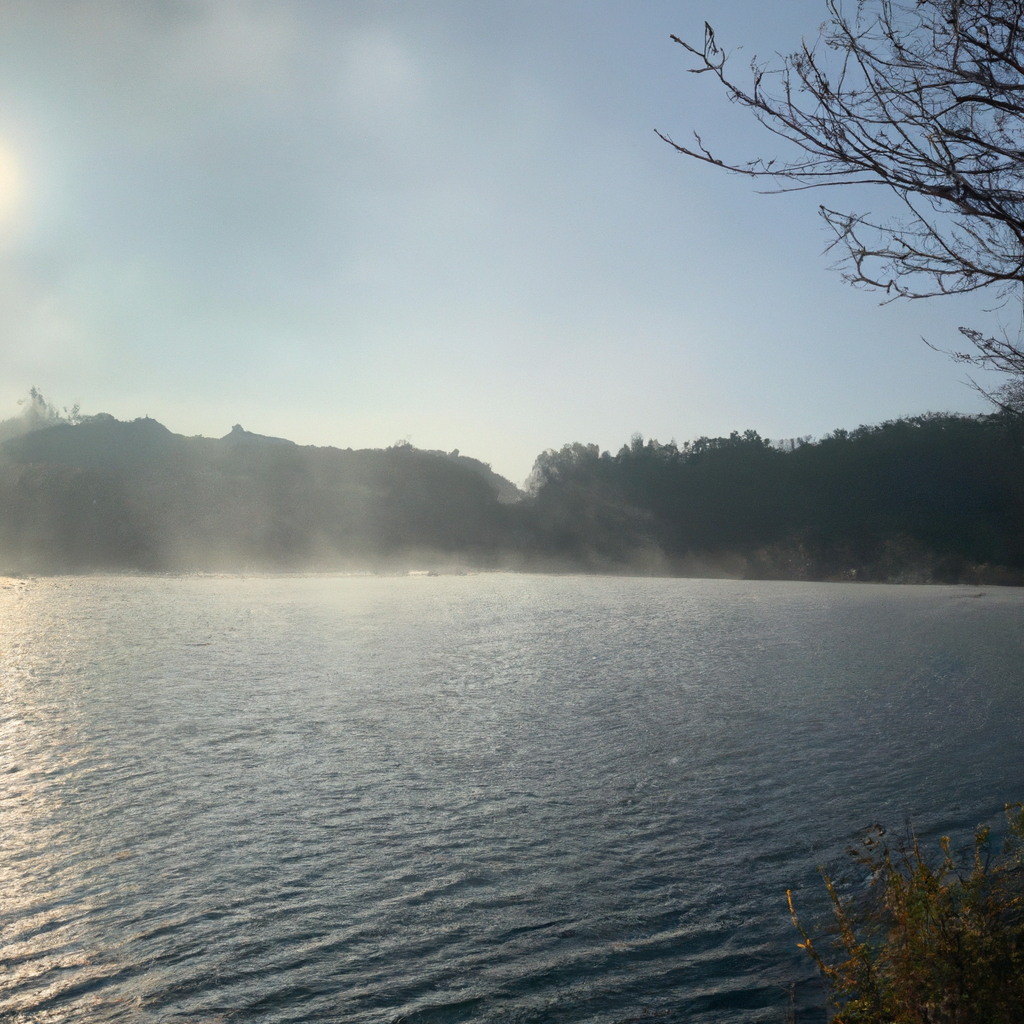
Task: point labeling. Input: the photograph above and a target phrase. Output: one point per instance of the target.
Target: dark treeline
(931, 498)
(927, 498)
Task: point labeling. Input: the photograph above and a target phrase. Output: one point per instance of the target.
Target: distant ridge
(238, 435)
(97, 442)
(104, 493)
(103, 442)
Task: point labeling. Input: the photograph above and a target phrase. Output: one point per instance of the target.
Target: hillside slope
(109, 494)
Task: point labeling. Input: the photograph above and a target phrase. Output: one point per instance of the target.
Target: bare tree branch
(922, 97)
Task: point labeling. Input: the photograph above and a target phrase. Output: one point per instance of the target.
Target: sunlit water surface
(482, 798)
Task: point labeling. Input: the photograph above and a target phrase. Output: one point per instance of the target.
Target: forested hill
(104, 493)
(930, 498)
(935, 498)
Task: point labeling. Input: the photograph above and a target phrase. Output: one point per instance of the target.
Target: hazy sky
(350, 223)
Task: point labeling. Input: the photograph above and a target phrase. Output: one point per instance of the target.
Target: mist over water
(493, 797)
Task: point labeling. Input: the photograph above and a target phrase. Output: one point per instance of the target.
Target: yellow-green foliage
(930, 945)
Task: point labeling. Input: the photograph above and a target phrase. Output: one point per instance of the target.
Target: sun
(12, 184)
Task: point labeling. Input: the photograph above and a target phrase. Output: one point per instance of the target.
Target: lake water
(501, 798)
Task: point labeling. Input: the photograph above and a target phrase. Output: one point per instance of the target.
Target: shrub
(929, 945)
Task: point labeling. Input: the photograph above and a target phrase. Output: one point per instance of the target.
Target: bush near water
(927, 944)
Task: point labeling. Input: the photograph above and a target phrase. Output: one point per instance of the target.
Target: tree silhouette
(925, 98)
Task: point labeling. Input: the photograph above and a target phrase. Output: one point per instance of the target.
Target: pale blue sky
(452, 222)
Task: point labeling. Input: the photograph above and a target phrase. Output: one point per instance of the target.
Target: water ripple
(492, 798)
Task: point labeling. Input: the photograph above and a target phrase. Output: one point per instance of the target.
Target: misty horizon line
(934, 498)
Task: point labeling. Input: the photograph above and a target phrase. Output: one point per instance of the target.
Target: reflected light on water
(460, 799)
(48, 956)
